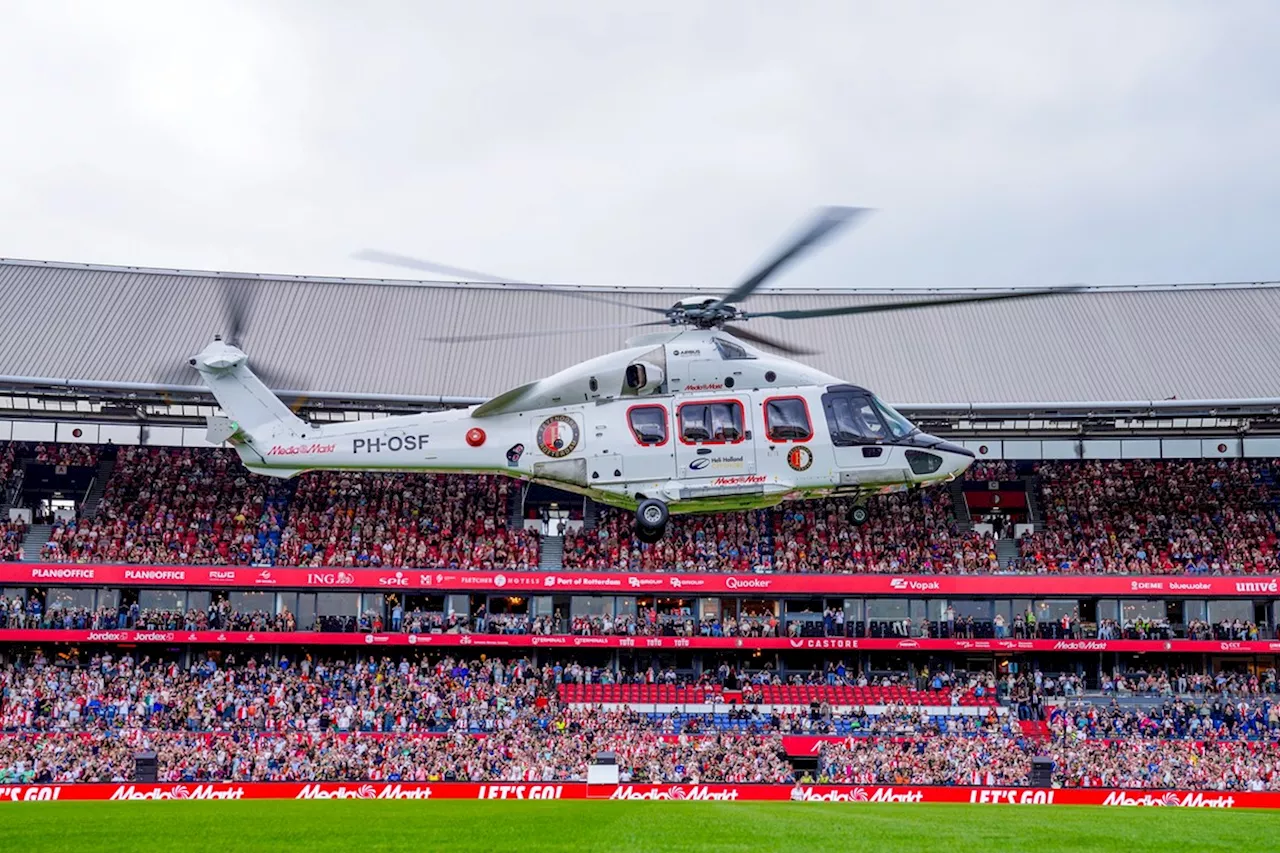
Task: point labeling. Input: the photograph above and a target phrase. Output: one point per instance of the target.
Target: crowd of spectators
(395, 520)
(176, 506)
(194, 505)
(1130, 762)
(1155, 517)
(386, 720)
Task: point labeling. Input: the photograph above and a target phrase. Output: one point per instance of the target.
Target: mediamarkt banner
(131, 791)
(567, 641)
(624, 583)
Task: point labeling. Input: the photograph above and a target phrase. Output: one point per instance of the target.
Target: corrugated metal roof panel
(1108, 344)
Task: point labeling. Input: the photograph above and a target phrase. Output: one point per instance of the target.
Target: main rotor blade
(237, 300)
(763, 340)
(379, 257)
(464, 275)
(544, 333)
(829, 219)
(879, 308)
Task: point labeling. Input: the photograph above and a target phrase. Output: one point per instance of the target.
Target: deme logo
(699, 464)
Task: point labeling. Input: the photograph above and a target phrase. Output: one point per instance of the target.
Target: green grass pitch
(376, 826)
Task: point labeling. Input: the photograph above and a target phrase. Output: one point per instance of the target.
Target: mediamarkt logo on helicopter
(630, 428)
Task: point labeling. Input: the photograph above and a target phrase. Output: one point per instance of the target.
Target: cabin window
(648, 424)
(730, 351)
(719, 422)
(787, 419)
(852, 419)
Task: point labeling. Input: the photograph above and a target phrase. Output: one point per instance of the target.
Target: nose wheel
(651, 520)
(858, 515)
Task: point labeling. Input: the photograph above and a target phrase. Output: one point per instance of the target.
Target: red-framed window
(712, 422)
(649, 425)
(787, 419)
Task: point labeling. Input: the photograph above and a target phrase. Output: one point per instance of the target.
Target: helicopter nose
(943, 460)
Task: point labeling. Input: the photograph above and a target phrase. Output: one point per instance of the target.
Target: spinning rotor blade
(828, 221)
(380, 257)
(545, 333)
(757, 338)
(848, 310)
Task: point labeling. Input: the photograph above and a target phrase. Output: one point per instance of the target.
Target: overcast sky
(1003, 144)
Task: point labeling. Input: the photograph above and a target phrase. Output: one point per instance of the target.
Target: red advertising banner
(567, 641)
(624, 583)
(132, 791)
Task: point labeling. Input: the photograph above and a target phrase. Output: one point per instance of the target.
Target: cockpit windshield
(899, 427)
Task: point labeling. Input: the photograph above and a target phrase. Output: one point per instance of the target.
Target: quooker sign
(853, 794)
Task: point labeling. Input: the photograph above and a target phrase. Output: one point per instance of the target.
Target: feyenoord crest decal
(558, 436)
(800, 458)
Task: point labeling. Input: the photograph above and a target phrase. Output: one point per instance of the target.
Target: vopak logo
(1192, 800)
(155, 575)
(331, 578)
(1258, 586)
(918, 586)
(177, 792)
(747, 583)
(295, 449)
(672, 792)
(699, 464)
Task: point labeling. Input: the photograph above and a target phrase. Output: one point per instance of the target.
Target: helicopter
(700, 416)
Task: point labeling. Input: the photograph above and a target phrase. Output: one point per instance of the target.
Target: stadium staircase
(515, 510)
(1031, 483)
(590, 516)
(36, 537)
(89, 509)
(1006, 551)
(551, 553)
(960, 506)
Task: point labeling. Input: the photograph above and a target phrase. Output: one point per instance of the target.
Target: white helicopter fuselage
(694, 418)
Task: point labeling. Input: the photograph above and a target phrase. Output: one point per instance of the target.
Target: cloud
(1005, 143)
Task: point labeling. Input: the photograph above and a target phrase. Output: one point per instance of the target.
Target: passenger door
(714, 438)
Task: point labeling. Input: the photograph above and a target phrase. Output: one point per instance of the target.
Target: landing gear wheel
(858, 515)
(651, 520)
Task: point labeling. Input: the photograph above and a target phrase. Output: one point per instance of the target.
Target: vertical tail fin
(248, 403)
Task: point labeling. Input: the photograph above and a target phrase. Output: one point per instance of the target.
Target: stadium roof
(99, 324)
